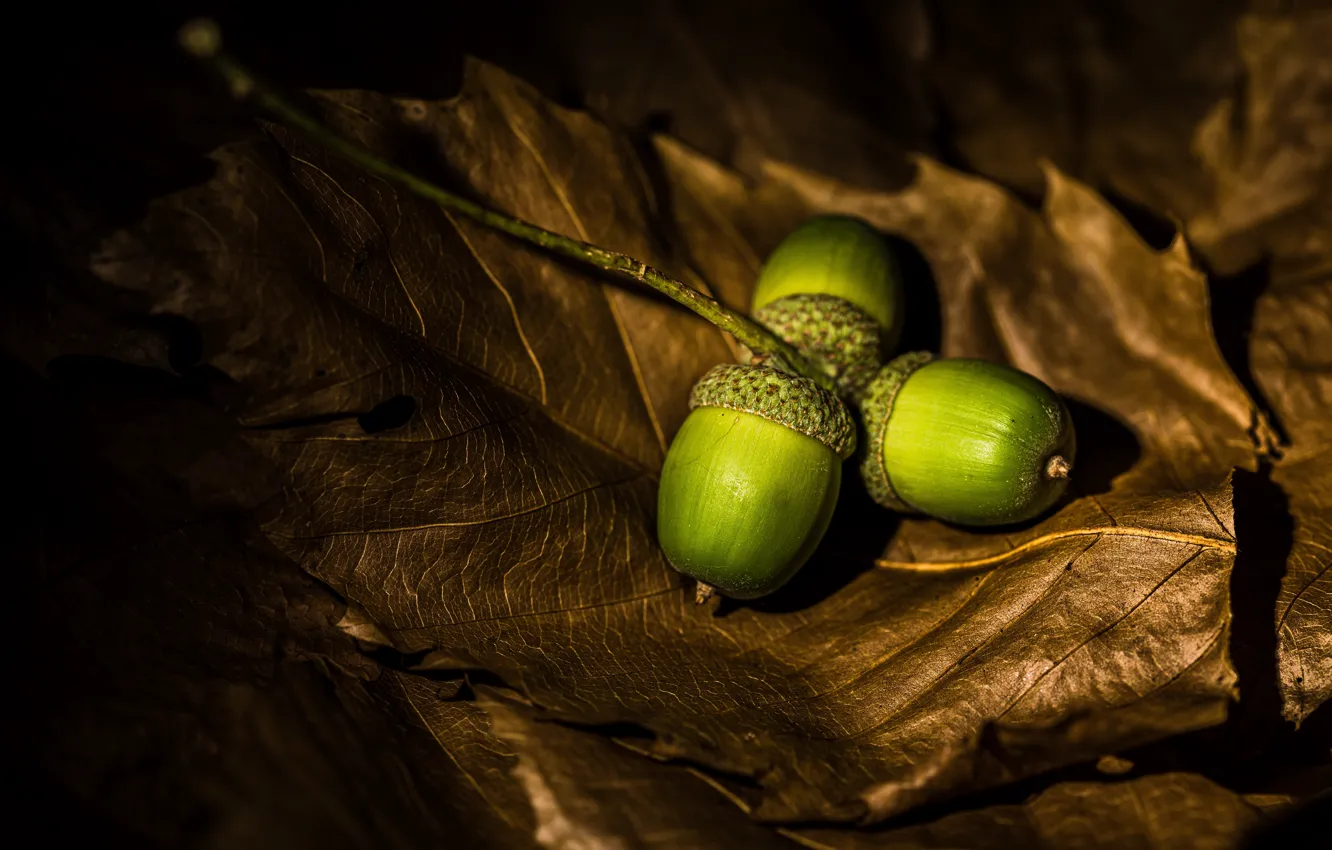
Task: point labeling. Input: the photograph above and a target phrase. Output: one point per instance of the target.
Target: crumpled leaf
(889, 689)
(1112, 93)
(1270, 151)
(1272, 154)
(1291, 351)
(831, 89)
(1212, 114)
(590, 791)
(1167, 810)
(1275, 170)
(470, 431)
(476, 767)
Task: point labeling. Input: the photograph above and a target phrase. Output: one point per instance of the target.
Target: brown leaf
(830, 88)
(1207, 113)
(589, 791)
(877, 690)
(1291, 351)
(467, 755)
(1270, 151)
(1169, 810)
(1112, 93)
(502, 516)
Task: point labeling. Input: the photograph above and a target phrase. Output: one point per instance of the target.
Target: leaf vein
(472, 524)
(1047, 539)
(605, 293)
(1099, 633)
(513, 309)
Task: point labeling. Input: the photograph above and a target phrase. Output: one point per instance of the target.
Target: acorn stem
(703, 592)
(1058, 467)
(202, 39)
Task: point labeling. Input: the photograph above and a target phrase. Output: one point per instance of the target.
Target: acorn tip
(1058, 467)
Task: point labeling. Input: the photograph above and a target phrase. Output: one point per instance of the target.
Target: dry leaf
(1169, 810)
(1291, 350)
(1269, 151)
(471, 431)
(1110, 92)
(590, 791)
(830, 88)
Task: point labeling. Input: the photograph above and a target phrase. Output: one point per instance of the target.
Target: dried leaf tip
(201, 37)
(1058, 467)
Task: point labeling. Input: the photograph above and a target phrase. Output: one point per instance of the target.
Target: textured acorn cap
(797, 403)
(843, 338)
(876, 403)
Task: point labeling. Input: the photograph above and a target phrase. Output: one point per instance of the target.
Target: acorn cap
(876, 403)
(843, 338)
(797, 403)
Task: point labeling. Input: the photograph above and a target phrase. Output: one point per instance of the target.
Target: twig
(203, 39)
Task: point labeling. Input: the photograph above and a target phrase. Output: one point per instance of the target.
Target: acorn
(751, 479)
(966, 441)
(835, 257)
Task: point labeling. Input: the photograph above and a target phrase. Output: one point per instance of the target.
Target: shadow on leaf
(1264, 530)
(1234, 299)
(859, 534)
(1107, 448)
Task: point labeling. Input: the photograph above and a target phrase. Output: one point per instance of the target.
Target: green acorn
(966, 441)
(842, 257)
(751, 479)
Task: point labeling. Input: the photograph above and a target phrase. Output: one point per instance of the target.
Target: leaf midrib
(1218, 543)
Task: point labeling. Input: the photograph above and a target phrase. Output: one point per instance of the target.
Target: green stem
(203, 40)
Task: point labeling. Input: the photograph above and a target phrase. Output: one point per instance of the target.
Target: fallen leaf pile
(341, 515)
